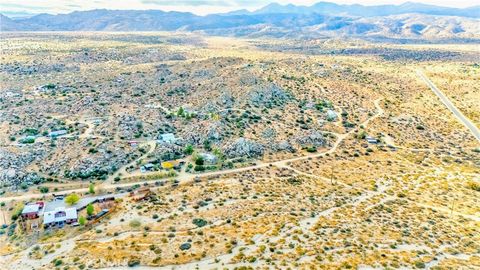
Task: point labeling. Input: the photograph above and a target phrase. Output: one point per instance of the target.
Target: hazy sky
(12, 7)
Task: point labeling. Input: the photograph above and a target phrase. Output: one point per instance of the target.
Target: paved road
(473, 129)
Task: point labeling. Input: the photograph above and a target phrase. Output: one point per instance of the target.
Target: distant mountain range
(327, 8)
(409, 20)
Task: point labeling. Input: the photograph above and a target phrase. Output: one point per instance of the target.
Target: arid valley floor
(238, 153)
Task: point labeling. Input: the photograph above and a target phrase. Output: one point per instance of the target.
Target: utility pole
(331, 176)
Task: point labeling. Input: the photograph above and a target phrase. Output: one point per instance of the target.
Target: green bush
(419, 264)
(199, 222)
(188, 149)
(90, 209)
(135, 223)
(199, 161)
(133, 262)
(185, 246)
(199, 168)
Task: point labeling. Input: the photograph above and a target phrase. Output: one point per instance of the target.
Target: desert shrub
(362, 135)
(199, 222)
(199, 168)
(419, 264)
(185, 246)
(133, 262)
(188, 149)
(82, 220)
(57, 262)
(17, 211)
(473, 185)
(135, 223)
(199, 161)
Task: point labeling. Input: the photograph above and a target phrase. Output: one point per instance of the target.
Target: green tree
(180, 111)
(90, 209)
(207, 145)
(218, 153)
(82, 220)
(188, 149)
(72, 199)
(199, 161)
(91, 188)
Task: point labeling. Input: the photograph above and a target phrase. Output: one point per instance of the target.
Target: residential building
(31, 211)
(167, 138)
(209, 158)
(59, 217)
(371, 140)
(147, 167)
(57, 133)
(331, 115)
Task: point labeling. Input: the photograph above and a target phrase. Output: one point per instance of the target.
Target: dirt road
(186, 177)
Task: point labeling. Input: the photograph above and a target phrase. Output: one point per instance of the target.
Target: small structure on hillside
(166, 138)
(57, 133)
(209, 158)
(331, 115)
(133, 143)
(28, 139)
(147, 167)
(371, 140)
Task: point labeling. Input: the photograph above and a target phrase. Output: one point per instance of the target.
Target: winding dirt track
(186, 177)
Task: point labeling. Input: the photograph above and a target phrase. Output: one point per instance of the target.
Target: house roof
(208, 157)
(58, 132)
(49, 217)
(31, 208)
(82, 203)
(71, 213)
(167, 137)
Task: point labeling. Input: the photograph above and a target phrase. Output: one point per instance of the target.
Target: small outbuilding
(331, 115)
(167, 138)
(371, 140)
(209, 158)
(31, 211)
(57, 133)
(147, 167)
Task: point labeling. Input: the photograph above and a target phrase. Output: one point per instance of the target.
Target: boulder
(243, 148)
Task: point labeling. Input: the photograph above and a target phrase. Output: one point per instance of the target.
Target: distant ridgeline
(406, 21)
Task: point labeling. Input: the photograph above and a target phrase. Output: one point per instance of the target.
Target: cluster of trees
(100, 174)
